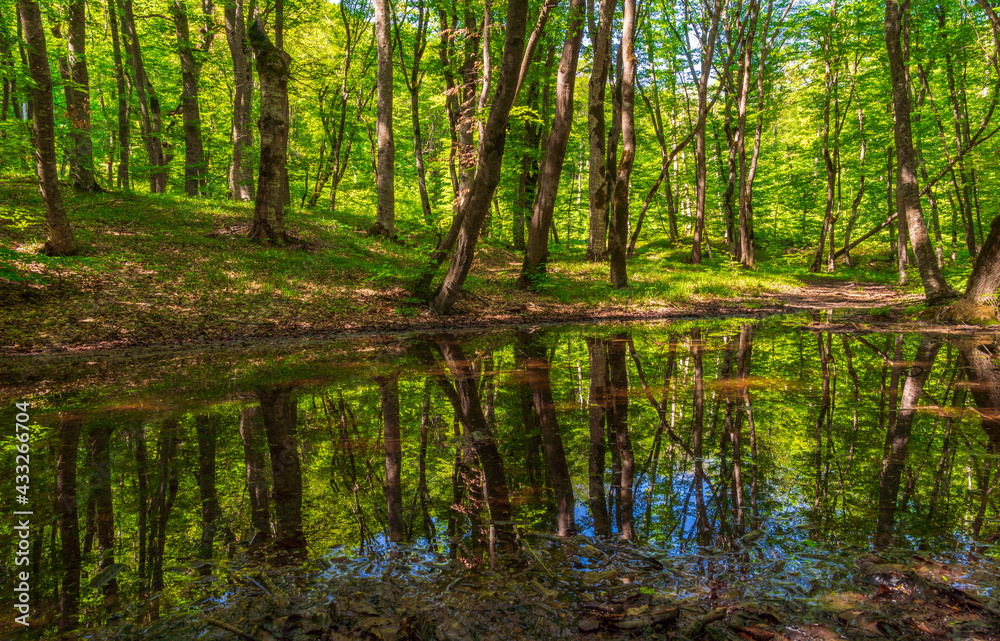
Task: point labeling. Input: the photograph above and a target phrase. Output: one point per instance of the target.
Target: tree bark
(385, 214)
(149, 105)
(490, 158)
(79, 108)
(598, 184)
(537, 252)
(936, 290)
(272, 69)
(618, 224)
(98, 444)
(124, 131)
(241, 168)
(195, 180)
(60, 241)
(978, 305)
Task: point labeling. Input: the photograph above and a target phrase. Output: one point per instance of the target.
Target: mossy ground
(162, 269)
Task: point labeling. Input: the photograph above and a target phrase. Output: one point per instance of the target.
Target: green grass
(157, 268)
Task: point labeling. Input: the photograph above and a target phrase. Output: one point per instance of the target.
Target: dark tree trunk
(389, 391)
(100, 482)
(555, 151)
(897, 440)
(206, 433)
(241, 168)
(142, 472)
(555, 456)
(618, 425)
(979, 303)
(272, 70)
(279, 415)
(254, 441)
(936, 289)
(598, 355)
(162, 501)
(66, 500)
(79, 108)
(149, 105)
(60, 241)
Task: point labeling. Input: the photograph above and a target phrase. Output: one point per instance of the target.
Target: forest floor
(166, 270)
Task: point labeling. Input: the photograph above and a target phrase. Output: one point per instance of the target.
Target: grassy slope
(161, 269)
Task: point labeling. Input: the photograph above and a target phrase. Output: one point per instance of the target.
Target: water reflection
(683, 440)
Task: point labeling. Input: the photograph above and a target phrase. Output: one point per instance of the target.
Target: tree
(272, 69)
(241, 168)
(597, 179)
(978, 304)
(555, 151)
(618, 223)
(385, 173)
(79, 107)
(936, 290)
(60, 241)
(195, 180)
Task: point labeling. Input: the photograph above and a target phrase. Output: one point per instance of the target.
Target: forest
(841, 134)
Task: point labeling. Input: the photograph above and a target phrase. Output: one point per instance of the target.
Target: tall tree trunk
(618, 225)
(79, 108)
(597, 185)
(385, 214)
(389, 392)
(194, 150)
(66, 486)
(537, 252)
(936, 290)
(490, 157)
(124, 131)
(149, 104)
(272, 69)
(701, 160)
(241, 168)
(60, 241)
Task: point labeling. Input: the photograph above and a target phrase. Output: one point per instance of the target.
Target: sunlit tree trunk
(241, 168)
(936, 290)
(124, 131)
(555, 151)
(385, 172)
(195, 171)
(272, 69)
(618, 224)
(701, 159)
(149, 104)
(598, 186)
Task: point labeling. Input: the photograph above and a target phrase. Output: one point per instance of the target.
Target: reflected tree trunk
(254, 441)
(68, 519)
(98, 444)
(389, 392)
(984, 379)
(897, 439)
(279, 415)
(206, 432)
(162, 502)
(618, 424)
(555, 456)
(702, 525)
(597, 349)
